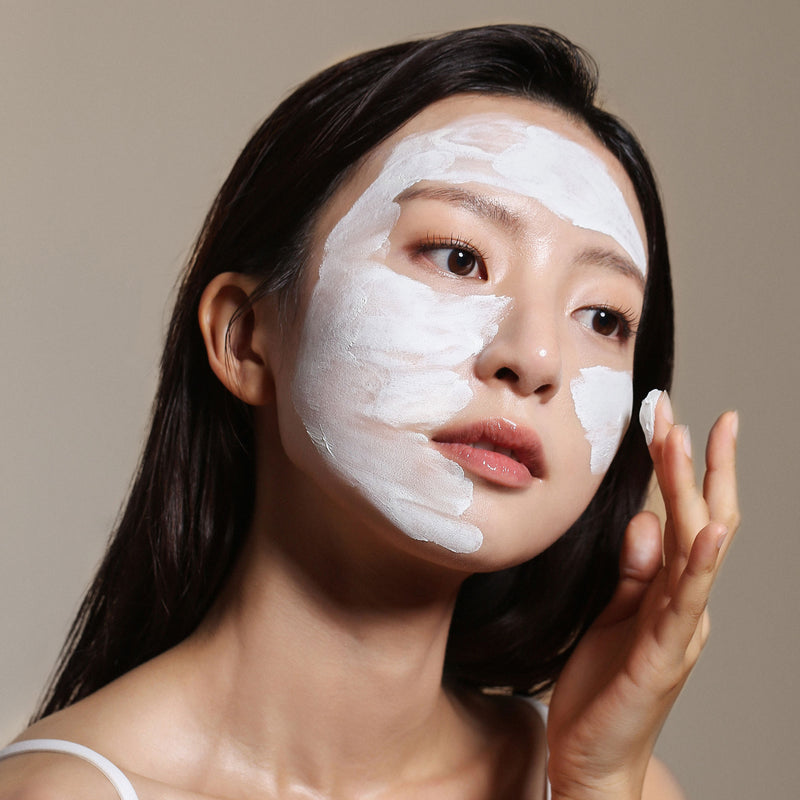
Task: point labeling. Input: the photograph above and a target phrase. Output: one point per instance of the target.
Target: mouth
(497, 450)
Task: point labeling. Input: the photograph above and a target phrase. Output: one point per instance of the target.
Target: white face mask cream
(603, 399)
(385, 360)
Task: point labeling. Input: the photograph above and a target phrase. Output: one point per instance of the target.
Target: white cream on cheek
(386, 360)
(384, 363)
(603, 399)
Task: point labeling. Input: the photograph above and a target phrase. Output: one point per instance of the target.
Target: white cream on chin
(385, 360)
(603, 399)
(647, 414)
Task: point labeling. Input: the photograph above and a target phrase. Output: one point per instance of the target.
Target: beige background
(119, 121)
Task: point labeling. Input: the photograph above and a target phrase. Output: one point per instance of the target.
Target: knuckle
(694, 611)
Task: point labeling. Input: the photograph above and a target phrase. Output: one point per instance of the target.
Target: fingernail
(687, 441)
(735, 425)
(721, 538)
(667, 406)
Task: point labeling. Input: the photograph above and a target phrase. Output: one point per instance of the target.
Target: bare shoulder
(660, 783)
(52, 776)
(118, 724)
(42, 774)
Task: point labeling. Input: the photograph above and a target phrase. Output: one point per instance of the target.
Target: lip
(515, 471)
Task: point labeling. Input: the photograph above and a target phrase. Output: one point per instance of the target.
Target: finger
(656, 419)
(687, 512)
(640, 562)
(698, 641)
(719, 485)
(681, 621)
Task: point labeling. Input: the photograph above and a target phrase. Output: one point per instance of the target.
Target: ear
(238, 346)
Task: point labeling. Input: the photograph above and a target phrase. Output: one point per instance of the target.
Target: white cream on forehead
(386, 360)
(603, 399)
(528, 160)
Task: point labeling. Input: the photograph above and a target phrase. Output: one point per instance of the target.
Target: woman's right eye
(456, 259)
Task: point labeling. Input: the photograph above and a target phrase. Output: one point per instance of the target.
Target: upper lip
(501, 434)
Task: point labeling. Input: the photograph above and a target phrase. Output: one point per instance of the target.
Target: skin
(318, 672)
(541, 342)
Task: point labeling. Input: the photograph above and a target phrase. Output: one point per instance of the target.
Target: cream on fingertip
(647, 414)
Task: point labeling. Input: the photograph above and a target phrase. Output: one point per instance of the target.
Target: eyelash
(433, 242)
(625, 318)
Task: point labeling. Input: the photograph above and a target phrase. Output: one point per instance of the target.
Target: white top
(542, 709)
(118, 780)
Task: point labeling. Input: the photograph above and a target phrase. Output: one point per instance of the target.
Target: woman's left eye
(607, 322)
(457, 259)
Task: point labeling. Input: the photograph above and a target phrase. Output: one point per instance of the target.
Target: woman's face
(465, 357)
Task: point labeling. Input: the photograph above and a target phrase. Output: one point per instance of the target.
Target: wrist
(618, 787)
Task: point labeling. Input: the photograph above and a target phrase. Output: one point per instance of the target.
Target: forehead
(509, 142)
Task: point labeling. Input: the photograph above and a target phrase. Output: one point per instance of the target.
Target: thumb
(639, 563)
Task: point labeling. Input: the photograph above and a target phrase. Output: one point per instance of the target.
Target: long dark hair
(192, 497)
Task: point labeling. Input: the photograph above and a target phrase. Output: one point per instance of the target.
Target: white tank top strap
(541, 708)
(114, 774)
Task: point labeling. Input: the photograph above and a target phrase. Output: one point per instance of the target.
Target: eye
(607, 322)
(456, 258)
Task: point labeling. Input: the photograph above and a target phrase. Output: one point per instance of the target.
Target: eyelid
(436, 242)
(627, 320)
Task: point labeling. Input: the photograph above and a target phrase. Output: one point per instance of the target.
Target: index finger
(687, 512)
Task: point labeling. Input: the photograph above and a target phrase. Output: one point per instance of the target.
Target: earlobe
(236, 340)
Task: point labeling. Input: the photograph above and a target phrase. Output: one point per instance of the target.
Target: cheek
(603, 398)
(380, 346)
(383, 362)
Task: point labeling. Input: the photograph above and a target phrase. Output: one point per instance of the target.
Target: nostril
(506, 374)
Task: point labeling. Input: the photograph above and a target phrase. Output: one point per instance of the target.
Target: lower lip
(487, 464)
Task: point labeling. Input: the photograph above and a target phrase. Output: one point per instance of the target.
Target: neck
(326, 656)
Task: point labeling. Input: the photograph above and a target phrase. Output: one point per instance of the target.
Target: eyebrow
(494, 211)
(610, 260)
(486, 207)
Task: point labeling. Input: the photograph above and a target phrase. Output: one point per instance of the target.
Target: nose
(525, 354)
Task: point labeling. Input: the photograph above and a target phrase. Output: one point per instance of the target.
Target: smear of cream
(383, 364)
(385, 360)
(528, 160)
(603, 399)
(647, 414)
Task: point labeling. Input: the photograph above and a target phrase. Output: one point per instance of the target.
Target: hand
(618, 687)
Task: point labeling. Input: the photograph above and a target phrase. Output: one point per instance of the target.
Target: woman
(390, 466)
